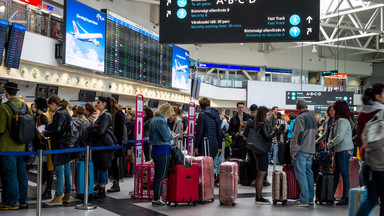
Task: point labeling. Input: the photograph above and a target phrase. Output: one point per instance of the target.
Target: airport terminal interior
(152, 52)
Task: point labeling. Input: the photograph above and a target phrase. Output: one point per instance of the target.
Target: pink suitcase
(354, 168)
(279, 185)
(206, 178)
(228, 181)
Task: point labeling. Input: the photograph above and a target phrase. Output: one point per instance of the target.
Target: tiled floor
(122, 204)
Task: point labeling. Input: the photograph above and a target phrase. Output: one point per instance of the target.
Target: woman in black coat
(101, 134)
(209, 126)
(56, 130)
(261, 125)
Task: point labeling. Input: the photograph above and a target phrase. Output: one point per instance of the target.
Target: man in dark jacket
(238, 147)
(208, 125)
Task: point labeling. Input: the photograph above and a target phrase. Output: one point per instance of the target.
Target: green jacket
(6, 142)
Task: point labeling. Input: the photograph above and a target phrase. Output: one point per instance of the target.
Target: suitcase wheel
(213, 199)
(175, 205)
(221, 203)
(285, 202)
(194, 203)
(274, 202)
(233, 204)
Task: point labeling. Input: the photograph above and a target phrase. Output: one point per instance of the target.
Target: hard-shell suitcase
(228, 181)
(279, 185)
(293, 189)
(356, 197)
(247, 170)
(80, 178)
(315, 168)
(206, 178)
(324, 188)
(354, 168)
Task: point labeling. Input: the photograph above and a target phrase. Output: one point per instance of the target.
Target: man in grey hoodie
(302, 149)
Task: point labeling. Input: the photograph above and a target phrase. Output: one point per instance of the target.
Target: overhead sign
(36, 3)
(227, 21)
(318, 97)
(330, 73)
(180, 68)
(53, 9)
(85, 36)
(341, 76)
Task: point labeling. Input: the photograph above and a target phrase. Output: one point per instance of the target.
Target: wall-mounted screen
(15, 46)
(91, 96)
(180, 68)
(153, 103)
(42, 91)
(53, 90)
(234, 21)
(3, 37)
(135, 52)
(84, 36)
(83, 95)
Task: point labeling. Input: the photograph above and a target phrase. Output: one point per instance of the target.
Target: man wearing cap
(14, 171)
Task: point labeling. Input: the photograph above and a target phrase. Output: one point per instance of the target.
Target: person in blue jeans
(160, 137)
(341, 142)
(302, 148)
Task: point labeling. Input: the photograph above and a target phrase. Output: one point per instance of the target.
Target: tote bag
(257, 143)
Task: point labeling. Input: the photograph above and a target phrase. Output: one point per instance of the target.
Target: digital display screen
(318, 97)
(15, 45)
(180, 68)
(134, 52)
(84, 36)
(230, 21)
(3, 37)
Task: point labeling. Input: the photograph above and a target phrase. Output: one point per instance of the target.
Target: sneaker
(114, 188)
(47, 195)
(343, 201)
(298, 203)
(23, 205)
(262, 201)
(158, 203)
(67, 198)
(311, 203)
(9, 207)
(57, 200)
(266, 183)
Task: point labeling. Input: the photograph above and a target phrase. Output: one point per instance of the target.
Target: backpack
(72, 134)
(373, 137)
(81, 140)
(23, 125)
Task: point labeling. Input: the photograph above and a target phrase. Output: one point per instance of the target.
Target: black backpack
(23, 125)
(81, 140)
(72, 134)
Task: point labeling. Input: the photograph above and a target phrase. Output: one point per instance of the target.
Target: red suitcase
(354, 168)
(228, 181)
(206, 181)
(293, 189)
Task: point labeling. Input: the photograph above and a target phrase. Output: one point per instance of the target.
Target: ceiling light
(314, 49)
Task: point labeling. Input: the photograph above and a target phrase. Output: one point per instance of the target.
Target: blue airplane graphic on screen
(180, 67)
(86, 37)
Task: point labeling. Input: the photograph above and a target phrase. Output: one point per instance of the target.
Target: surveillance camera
(110, 85)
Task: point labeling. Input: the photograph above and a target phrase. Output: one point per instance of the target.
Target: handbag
(176, 156)
(257, 143)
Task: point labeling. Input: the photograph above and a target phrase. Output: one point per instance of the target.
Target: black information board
(227, 21)
(3, 37)
(330, 73)
(318, 97)
(15, 45)
(134, 53)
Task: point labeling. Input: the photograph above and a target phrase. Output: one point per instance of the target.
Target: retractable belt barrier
(87, 149)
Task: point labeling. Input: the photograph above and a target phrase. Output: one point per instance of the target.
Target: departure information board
(228, 21)
(3, 37)
(134, 52)
(15, 45)
(318, 98)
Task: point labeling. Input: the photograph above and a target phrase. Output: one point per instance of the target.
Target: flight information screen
(3, 36)
(135, 53)
(15, 45)
(230, 21)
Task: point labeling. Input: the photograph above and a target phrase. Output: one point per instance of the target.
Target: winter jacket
(262, 127)
(147, 121)
(6, 114)
(56, 131)
(101, 134)
(342, 136)
(304, 133)
(118, 127)
(159, 133)
(365, 115)
(208, 125)
(177, 128)
(290, 128)
(234, 123)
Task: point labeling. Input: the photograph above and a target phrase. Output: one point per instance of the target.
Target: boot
(67, 198)
(115, 187)
(100, 194)
(47, 194)
(343, 201)
(57, 200)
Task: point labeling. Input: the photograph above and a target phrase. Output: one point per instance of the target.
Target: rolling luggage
(283, 153)
(293, 189)
(206, 175)
(247, 170)
(354, 168)
(228, 181)
(315, 168)
(325, 181)
(80, 178)
(279, 186)
(183, 183)
(356, 197)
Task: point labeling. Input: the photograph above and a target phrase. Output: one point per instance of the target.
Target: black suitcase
(247, 170)
(315, 168)
(282, 155)
(324, 188)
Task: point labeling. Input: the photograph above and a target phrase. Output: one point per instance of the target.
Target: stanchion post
(85, 205)
(39, 180)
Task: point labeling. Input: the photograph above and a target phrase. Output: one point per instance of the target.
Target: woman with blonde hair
(160, 137)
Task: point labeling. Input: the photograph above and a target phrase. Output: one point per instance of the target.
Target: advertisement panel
(180, 68)
(84, 36)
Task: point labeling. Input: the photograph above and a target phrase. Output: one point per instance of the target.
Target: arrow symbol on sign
(309, 30)
(309, 19)
(168, 13)
(169, 2)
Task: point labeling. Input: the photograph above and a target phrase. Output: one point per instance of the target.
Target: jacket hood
(371, 108)
(211, 112)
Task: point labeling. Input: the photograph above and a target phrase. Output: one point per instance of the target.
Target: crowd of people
(106, 124)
